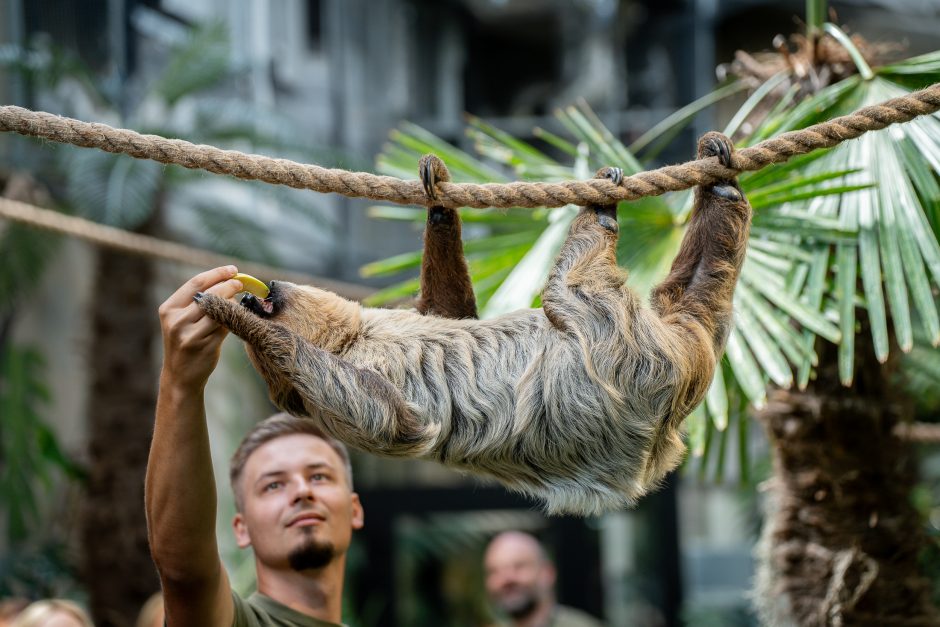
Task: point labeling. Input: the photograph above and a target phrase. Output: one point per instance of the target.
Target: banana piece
(252, 285)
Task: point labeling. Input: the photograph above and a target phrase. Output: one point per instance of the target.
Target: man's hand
(192, 341)
(180, 492)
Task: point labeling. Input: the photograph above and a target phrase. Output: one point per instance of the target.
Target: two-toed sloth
(578, 403)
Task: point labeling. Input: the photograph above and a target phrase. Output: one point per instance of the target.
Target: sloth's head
(325, 319)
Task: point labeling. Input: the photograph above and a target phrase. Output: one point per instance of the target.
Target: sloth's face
(317, 315)
(268, 307)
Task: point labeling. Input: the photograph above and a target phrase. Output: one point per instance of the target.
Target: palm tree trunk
(840, 545)
(116, 557)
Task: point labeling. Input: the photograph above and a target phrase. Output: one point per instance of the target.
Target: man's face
(299, 510)
(518, 577)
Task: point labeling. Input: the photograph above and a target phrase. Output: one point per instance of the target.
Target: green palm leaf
(111, 188)
(29, 448)
(200, 63)
(24, 255)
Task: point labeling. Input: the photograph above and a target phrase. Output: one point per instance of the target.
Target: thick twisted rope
(145, 245)
(518, 194)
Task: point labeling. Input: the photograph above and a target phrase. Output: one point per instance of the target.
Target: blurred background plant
(187, 98)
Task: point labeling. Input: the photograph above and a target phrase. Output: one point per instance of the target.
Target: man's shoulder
(571, 617)
(259, 610)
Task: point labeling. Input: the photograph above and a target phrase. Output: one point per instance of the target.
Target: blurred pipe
(260, 43)
(118, 53)
(15, 33)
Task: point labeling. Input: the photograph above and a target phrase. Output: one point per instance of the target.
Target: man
(520, 581)
(292, 485)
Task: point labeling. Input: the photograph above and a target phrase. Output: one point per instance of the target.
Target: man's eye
(318, 476)
(272, 486)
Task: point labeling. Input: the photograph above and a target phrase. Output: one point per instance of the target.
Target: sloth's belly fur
(524, 402)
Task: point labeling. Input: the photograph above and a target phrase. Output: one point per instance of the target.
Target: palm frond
(914, 73)
(521, 288)
(665, 131)
(47, 65)
(25, 253)
(231, 234)
(198, 65)
(920, 370)
(897, 252)
(224, 121)
(109, 188)
(30, 451)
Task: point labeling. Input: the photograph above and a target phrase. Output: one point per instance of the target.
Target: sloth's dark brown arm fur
(701, 282)
(446, 289)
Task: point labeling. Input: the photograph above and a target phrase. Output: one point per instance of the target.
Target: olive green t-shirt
(262, 611)
(564, 616)
(571, 617)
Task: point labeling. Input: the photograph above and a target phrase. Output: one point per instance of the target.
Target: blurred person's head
(520, 579)
(52, 613)
(151, 613)
(9, 608)
(294, 494)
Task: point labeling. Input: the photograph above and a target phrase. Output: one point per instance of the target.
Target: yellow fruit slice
(253, 285)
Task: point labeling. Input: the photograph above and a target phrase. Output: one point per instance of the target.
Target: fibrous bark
(116, 554)
(841, 540)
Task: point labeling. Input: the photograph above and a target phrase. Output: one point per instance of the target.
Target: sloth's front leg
(361, 406)
(243, 323)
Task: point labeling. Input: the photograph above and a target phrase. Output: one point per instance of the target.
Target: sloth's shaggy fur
(578, 403)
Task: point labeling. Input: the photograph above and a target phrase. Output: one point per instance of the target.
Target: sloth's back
(485, 382)
(437, 353)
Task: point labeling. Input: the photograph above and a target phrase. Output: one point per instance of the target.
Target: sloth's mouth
(264, 308)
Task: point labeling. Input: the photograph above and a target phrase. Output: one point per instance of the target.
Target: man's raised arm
(180, 491)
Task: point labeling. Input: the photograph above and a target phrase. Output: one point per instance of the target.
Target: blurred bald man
(520, 581)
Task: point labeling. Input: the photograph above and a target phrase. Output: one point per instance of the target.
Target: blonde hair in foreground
(38, 614)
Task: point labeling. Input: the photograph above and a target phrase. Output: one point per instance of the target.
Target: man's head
(293, 492)
(519, 576)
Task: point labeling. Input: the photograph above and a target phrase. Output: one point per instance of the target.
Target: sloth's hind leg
(446, 289)
(701, 282)
(585, 283)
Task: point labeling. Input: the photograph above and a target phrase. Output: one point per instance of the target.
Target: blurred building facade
(347, 72)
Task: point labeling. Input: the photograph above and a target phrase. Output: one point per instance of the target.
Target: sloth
(578, 403)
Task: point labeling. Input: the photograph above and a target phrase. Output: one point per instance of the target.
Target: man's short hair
(277, 426)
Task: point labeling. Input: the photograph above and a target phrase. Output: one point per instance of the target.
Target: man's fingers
(192, 313)
(205, 329)
(199, 283)
(226, 289)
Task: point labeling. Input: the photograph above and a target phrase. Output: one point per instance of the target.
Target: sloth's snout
(265, 308)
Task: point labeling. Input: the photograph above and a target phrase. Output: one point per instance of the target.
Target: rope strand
(519, 194)
(145, 245)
